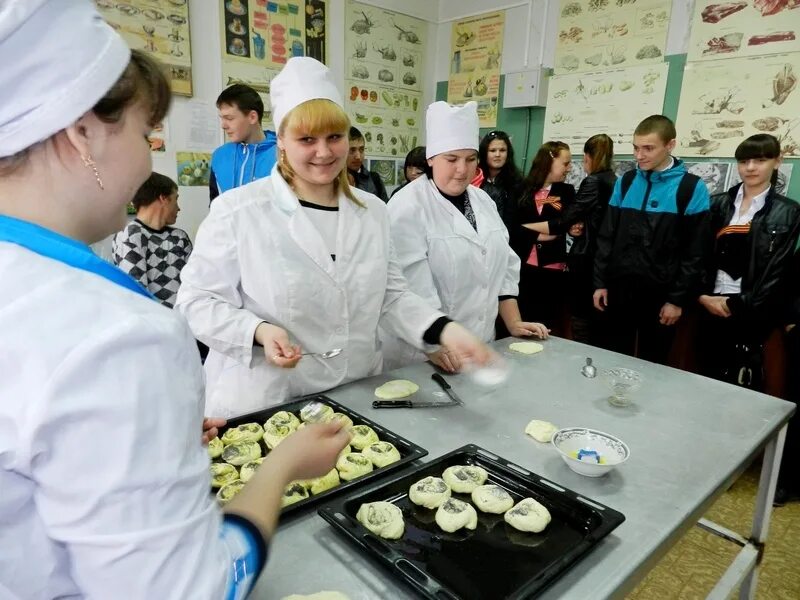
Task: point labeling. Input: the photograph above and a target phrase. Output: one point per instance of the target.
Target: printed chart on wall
(611, 102)
(259, 36)
(739, 28)
(160, 28)
(476, 46)
(723, 102)
(384, 71)
(598, 34)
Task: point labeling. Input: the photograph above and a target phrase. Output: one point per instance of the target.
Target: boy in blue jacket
(649, 260)
(251, 152)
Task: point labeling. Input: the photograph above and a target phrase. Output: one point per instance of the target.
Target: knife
(408, 404)
(447, 389)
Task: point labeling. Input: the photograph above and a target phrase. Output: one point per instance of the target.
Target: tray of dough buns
(471, 525)
(244, 442)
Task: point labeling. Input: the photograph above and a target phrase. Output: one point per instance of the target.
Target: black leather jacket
(501, 195)
(773, 236)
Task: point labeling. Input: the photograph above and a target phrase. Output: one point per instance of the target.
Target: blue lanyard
(63, 249)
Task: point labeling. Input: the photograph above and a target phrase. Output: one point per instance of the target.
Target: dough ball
(528, 515)
(321, 414)
(429, 492)
(383, 519)
(278, 427)
(396, 389)
(215, 448)
(249, 469)
(324, 483)
(248, 432)
(526, 347)
(453, 514)
(294, 492)
(238, 454)
(381, 454)
(541, 431)
(462, 479)
(227, 492)
(492, 499)
(362, 436)
(222, 473)
(353, 465)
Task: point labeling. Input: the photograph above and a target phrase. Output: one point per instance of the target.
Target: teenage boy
(649, 256)
(251, 152)
(369, 181)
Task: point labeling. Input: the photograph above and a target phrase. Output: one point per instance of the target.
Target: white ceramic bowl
(582, 448)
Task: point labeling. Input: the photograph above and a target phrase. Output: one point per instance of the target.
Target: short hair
(242, 97)
(662, 126)
(152, 189)
(600, 149)
(355, 134)
(416, 158)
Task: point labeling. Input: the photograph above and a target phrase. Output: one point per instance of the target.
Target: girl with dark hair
(415, 166)
(501, 178)
(747, 274)
(544, 198)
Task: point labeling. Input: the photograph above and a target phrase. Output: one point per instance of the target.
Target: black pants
(542, 298)
(730, 350)
(632, 325)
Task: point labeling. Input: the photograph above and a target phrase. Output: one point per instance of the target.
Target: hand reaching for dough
(311, 451)
(463, 345)
(447, 361)
(525, 329)
(277, 348)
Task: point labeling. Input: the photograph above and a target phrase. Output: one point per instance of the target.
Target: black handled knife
(447, 389)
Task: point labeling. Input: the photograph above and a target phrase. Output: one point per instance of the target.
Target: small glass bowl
(622, 382)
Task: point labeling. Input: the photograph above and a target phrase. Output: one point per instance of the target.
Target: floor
(699, 559)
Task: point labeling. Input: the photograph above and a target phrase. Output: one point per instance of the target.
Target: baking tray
(493, 561)
(409, 451)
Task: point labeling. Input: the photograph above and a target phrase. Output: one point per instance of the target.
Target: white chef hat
(451, 128)
(301, 79)
(58, 59)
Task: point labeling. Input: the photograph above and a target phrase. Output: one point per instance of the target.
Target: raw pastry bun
(227, 492)
(453, 514)
(541, 431)
(429, 492)
(492, 499)
(383, 519)
(249, 469)
(462, 479)
(294, 492)
(215, 448)
(396, 389)
(324, 483)
(240, 453)
(381, 454)
(248, 432)
(528, 515)
(526, 347)
(222, 474)
(353, 465)
(278, 427)
(363, 436)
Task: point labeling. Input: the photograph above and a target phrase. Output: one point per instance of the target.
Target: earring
(88, 162)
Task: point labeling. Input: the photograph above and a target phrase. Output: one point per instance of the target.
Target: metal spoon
(589, 370)
(328, 354)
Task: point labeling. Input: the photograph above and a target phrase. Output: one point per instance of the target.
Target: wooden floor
(699, 559)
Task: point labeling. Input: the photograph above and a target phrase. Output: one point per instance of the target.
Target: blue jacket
(646, 244)
(235, 164)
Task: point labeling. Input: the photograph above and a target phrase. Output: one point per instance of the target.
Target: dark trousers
(542, 298)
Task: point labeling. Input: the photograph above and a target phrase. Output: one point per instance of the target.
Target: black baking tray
(494, 561)
(409, 451)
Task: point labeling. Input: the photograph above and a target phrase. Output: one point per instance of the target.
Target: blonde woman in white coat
(451, 242)
(300, 260)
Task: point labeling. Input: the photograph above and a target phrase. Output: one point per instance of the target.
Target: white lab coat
(259, 258)
(451, 266)
(103, 479)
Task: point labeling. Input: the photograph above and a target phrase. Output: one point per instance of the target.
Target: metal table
(690, 438)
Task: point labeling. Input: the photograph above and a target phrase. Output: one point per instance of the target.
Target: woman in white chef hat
(301, 259)
(104, 482)
(451, 242)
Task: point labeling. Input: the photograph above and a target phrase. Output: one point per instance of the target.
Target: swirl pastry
(453, 514)
(282, 418)
(248, 432)
(222, 473)
(322, 412)
(363, 436)
(348, 422)
(249, 469)
(226, 493)
(381, 454)
(215, 447)
(238, 454)
(353, 465)
(528, 515)
(462, 479)
(491, 499)
(294, 492)
(383, 519)
(429, 492)
(324, 483)
(278, 427)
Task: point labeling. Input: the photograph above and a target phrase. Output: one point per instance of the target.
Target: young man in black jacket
(369, 181)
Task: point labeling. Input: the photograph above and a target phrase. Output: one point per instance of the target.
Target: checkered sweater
(153, 257)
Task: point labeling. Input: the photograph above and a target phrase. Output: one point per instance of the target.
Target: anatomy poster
(600, 34)
(743, 28)
(160, 28)
(725, 101)
(612, 102)
(384, 72)
(476, 45)
(713, 174)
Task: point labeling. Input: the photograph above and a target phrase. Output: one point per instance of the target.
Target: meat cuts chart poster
(744, 28)
(725, 101)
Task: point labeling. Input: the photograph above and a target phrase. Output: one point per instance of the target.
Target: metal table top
(689, 437)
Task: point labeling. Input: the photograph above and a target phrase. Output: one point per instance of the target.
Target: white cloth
(257, 257)
(725, 284)
(58, 59)
(103, 479)
(301, 79)
(327, 224)
(451, 128)
(454, 268)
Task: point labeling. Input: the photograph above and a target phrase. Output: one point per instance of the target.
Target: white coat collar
(461, 226)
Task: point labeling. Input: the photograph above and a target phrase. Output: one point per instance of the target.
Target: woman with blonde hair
(302, 260)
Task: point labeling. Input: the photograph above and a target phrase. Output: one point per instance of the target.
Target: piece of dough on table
(526, 347)
(396, 389)
(462, 479)
(429, 492)
(453, 514)
(541, 431)
(384, 519)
